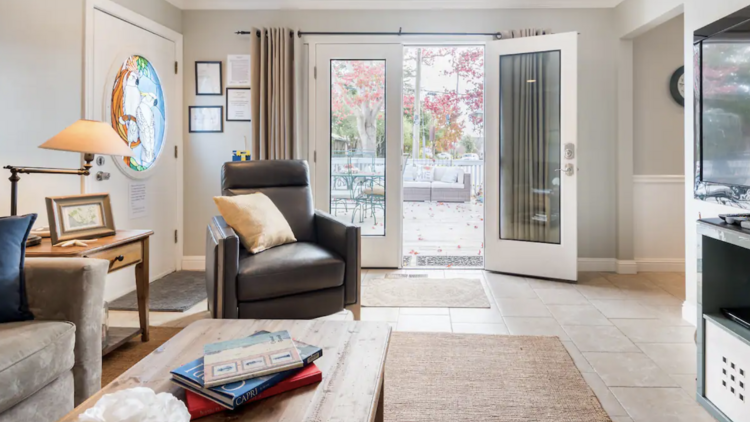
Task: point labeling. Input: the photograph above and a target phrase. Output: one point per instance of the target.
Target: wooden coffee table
(353, 362)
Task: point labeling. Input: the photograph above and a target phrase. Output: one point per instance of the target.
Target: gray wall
(209, 36)
(658, 121)
(41, 45)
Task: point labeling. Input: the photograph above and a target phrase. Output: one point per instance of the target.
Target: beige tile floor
(624, 332)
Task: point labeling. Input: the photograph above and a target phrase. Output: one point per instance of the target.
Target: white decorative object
(139, 404)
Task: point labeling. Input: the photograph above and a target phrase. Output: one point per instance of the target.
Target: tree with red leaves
(358, 90)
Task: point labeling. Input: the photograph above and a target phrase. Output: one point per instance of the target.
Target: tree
(358, 90)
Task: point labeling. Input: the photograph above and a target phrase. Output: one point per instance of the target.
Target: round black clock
(677, 86)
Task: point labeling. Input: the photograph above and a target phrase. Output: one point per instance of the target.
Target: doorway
(443, 149)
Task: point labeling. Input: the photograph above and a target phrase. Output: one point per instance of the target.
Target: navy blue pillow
(13, 234)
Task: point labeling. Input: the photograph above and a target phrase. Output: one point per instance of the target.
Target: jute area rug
(424, 293)
(466, 377)
(121, 359)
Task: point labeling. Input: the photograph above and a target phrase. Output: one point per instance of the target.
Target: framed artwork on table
(79, 217)
(238, 104)
(206, 119)
(208, 78)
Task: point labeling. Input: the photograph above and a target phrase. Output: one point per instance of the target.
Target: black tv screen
(726, 111)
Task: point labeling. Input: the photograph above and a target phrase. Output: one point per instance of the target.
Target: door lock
(568, 170)
(570, 151)
(100, 176)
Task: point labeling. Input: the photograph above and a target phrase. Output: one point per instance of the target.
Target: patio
(436, 234)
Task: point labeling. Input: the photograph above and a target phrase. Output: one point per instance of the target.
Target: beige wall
(209, 36)
(658, 130)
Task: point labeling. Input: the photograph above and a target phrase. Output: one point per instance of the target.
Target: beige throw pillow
(257, 221)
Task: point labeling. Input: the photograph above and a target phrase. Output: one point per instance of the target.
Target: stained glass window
(138, 112)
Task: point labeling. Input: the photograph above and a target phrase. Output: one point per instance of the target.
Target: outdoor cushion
(13, 234)
(33, 354)
(425, 174)
(418, 185)
(410, 172)
(450, 175)
(443, 185)
(289, 269)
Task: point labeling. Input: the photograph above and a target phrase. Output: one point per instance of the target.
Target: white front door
(357, 146)
(134, 86)
(531, 155)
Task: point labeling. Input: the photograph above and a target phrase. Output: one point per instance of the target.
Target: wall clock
(677, 86)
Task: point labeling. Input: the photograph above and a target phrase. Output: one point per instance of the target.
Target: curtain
(273, 80)
(530, 145)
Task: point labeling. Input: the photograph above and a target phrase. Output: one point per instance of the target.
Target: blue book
(235, 394)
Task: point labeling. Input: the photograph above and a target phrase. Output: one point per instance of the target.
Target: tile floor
(624, 332)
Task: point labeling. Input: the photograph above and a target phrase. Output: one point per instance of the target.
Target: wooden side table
(123, 249)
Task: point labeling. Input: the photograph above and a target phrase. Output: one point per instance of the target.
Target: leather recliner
(316, 276)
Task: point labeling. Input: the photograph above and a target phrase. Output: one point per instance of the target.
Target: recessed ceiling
(389, 4)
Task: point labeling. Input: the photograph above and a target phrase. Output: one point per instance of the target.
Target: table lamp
(85, 136)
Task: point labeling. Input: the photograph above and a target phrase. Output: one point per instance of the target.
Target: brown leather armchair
(316, 276)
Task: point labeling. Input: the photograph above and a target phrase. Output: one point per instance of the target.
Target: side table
(123, 249)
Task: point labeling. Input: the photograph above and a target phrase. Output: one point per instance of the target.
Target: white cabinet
(727, 372)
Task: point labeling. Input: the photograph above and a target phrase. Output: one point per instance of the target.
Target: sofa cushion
(287, 270)
(425, 185)
(443, 185)
(32, 355)
(451, 175)
(13, 234)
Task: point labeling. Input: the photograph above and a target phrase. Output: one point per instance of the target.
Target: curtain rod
(495, 35)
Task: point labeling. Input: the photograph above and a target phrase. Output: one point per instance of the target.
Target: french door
(531, 172)
(358, 143)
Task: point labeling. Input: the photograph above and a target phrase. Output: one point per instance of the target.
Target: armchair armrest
(222, 263)
(345, 240)
(72, 289)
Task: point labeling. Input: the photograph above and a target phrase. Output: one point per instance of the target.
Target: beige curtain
(273, 94)
(530, 145)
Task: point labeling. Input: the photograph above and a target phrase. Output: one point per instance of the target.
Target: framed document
(208, 78)
(238, 104)
(238, 70)
(206, 119)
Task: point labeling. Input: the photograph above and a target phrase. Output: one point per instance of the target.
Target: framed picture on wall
(206, 119)
(238, 104)
(208, 78)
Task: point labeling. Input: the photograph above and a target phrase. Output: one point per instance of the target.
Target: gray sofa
(316, 276)
(436, 190)
(53, 363)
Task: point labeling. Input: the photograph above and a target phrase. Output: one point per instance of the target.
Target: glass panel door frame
(378, 251)
(538, 259)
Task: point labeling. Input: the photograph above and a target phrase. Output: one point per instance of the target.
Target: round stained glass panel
(138, 112)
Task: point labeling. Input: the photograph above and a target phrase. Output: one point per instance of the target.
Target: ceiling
(388, 4)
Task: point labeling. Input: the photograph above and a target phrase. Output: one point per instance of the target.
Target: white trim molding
(658, 179)
(627, 267)
(600, 265)
(193, 263)
(662, 265)
(390, 4)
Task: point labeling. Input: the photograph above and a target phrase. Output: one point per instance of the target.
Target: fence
(377, 165)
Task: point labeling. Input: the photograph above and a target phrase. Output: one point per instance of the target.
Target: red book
(200, 406)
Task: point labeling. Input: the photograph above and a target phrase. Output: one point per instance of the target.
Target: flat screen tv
(722, 110)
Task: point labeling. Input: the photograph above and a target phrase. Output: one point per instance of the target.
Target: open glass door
(358, 143)
(531, 215)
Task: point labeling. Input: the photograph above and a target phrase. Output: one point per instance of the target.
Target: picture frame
(208, 78)
(238, 105)
(206, 119)
(79, 217)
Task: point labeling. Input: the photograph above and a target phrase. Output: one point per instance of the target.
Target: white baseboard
(610, 265)
(193, 263)
(690, 313)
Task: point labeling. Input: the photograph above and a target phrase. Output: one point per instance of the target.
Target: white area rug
(424, 293)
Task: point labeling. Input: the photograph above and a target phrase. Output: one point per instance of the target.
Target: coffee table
(353, 363)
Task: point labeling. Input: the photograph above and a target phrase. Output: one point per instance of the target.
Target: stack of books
(235, 372)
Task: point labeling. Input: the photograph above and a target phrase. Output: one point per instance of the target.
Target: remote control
(734, 218)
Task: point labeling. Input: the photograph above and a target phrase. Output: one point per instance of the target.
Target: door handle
(568, 170)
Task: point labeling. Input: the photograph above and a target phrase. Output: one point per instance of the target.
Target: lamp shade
(89, 136)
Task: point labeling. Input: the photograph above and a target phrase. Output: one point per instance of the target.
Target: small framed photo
(79, 217)
(238, 104)
(208, 78)
(206, 119)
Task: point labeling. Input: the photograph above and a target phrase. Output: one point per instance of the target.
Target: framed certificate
(206, 119)
(208, 78)
(238, 104)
